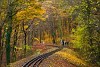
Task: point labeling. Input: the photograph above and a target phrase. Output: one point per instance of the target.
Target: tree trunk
(8, 31)
(0, 38)
(25, 41)
(8, 36)
(88, 21)
(0, 46)
(15, 43)
(69, 19)
(40, 36)
(25, 35)
(30, 36)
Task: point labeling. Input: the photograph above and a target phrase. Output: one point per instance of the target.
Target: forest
(24, 24)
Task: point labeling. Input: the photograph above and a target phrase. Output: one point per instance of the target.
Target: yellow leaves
(49, 1)
(53, 7)
(41, 11)
(36, 39)
(29, 2)
(40, 18)
(26, 26)
(71, 58)
(30, 13)
(37, 3)
(32, 10)
(36, 23)
(21, 15)
(46, 16)
(17, 48)
(43, 19)
(47, 37)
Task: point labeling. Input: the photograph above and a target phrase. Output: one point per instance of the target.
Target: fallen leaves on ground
(55, 61)
(71, 57)
(38, 52)
(64, 58)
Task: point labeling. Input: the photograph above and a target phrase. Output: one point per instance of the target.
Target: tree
(86, 35)
(13, 9)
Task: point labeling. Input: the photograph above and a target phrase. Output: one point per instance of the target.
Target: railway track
(35, 62)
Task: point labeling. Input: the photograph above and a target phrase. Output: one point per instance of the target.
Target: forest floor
(38, 50)
(64, 58)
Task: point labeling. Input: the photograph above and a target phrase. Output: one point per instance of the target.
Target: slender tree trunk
(60, 28)
(69, 25)
(30, 36)
(25, 37)
(1, 58)
(15, 43)
(0, 37)
(8, 31)
(25, 40)
(40, 35)
(8, 36)
(0, 46)
(88, 22)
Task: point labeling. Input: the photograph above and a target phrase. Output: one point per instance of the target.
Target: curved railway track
(35, 62)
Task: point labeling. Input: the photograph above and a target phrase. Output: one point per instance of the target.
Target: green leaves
(27, 47)
(85, 34)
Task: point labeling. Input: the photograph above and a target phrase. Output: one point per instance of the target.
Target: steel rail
(35, 62)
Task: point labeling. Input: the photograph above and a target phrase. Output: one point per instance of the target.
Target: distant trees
(56, 23)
